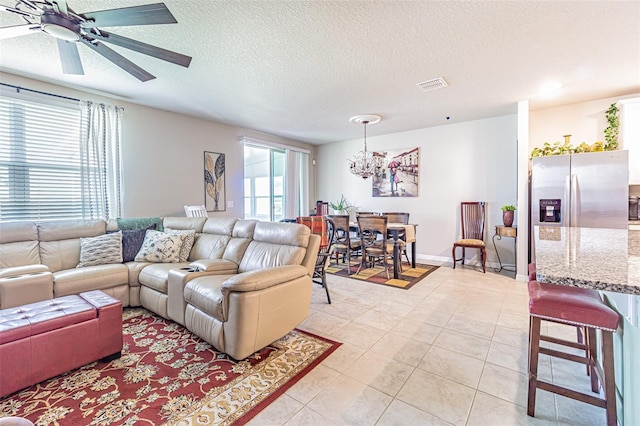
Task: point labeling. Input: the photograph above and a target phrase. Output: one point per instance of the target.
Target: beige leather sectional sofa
(245, 284)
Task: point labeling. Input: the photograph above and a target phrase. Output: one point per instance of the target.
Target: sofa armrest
(16, 271)
(216, 266)
(176, 282)
(24, 289)
(263, 278)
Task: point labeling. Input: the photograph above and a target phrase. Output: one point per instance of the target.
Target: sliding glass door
(275, 182)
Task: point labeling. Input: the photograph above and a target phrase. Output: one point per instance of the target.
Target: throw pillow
(101, 250)
(132, 241)
(160, 247)
(187, 244)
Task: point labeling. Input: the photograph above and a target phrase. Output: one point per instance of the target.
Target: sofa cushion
(209, 246)
(74, 281)
(205, 294)
(71, 229)
(155, 275)
(100, 250)
(160, 247)
(189, 236)
(11, 232)
(19, 253)
(195, 223)
(132, 241)
(275, 244)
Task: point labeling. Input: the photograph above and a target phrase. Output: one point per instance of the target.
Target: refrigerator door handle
(565, 207)
(574, 200)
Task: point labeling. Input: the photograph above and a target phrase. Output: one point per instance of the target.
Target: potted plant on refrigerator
(507, 214)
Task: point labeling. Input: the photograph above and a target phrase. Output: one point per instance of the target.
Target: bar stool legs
(584, 309)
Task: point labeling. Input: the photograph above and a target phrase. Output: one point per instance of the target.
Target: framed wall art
(214, 182)
(399, 174)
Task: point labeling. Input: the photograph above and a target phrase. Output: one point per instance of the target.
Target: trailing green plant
(610, 136)
(508, 208)
(613, 130)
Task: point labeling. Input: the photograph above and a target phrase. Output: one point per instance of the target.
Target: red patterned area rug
(407, 279)
(167, 375)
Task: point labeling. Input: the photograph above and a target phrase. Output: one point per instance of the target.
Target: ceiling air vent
(436, 83)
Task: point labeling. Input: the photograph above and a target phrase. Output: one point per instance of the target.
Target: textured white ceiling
(301, 69)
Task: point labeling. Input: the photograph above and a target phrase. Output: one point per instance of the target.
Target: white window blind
(41, 159)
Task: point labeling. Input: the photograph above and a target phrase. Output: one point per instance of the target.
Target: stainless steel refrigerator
(586, 190)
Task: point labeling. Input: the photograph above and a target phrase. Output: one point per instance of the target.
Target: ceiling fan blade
(70, 57)
(148, 14)
(30, 4)
(119, 60)
(18, 30)
(16, 11)
(147, 49)
(62, 6)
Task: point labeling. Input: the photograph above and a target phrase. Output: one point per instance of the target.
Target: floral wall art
(214, 188)
(398, 176)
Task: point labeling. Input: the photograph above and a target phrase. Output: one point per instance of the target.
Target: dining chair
(344, 244)
(399, 217)
(472, 226)
(196, 211)
(375, 245)
(322, 208)
(326, 229)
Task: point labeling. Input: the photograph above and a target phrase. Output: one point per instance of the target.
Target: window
(276, 181)
(53, 164)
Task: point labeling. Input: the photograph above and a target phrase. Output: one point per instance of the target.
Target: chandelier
(365, 163)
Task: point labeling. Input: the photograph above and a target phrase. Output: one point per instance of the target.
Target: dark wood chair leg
(609, 377)
(534, 348)
(484, 259)
(591, 342)
(453, 254)
(324, 284)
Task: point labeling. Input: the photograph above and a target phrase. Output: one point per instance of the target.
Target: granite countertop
(597, 258)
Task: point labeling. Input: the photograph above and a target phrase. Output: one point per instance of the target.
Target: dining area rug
(168, 376)
(376, 275)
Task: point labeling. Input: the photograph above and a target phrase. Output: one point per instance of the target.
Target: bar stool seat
(570, 305)
(582, 308)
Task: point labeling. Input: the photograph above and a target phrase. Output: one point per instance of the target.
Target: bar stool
(532, 272)
(581, 308)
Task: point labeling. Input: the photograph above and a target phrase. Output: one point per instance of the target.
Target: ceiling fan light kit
(55, 18)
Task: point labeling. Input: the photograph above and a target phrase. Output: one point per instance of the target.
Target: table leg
(413, 254)
(396, 252)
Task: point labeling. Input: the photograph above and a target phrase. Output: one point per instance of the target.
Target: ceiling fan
(57, 19)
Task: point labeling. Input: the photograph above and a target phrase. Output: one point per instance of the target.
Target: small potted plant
(507, 214)
(340, 207)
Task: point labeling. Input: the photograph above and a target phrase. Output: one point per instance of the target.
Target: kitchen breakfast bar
(607, 260)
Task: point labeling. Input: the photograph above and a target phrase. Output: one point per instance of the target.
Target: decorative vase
(507, 218)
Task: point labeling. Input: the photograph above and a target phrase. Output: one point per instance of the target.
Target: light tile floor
(450, 350)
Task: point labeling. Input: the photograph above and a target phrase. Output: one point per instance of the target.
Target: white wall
(584, 121)
(163, 154)
(471, 161)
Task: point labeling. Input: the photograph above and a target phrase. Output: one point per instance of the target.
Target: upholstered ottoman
(44, 339)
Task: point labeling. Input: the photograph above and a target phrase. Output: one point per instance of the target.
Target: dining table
(394, 231)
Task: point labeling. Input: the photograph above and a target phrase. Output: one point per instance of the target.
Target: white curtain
(101, 165)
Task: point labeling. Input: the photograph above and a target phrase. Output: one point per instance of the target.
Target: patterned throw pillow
(160, 247)
(132, 241)
(101, 250)
(187, 243)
